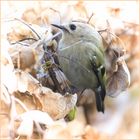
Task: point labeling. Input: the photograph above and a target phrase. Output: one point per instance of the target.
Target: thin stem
(20, 103)
(90, 18)
(18, 62)
(19, 41)
(29, 27)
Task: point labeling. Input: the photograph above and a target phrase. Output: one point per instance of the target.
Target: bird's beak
(60, 27)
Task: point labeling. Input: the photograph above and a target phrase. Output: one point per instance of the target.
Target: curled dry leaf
(131, 38)
(112, 53)
(81, 9)
(29, 117)
(50, 15)
(25, 56)
(22, 81)
(26, 82)
(119, 80)
(76, 11)
(31, 13)
(37, 116)
(41, 16)
(19, 32)
(7, 76)
(56, 105)
(118, 76)
(26, 127)
(33, 84)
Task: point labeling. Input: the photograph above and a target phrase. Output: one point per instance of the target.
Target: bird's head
(75, 31)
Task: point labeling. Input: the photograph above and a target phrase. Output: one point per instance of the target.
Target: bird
(81, 57)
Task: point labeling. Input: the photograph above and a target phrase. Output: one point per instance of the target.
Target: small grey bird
(81, 57)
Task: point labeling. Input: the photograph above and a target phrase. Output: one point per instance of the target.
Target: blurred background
(121, 118)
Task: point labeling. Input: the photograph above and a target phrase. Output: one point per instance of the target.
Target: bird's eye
(72, 27)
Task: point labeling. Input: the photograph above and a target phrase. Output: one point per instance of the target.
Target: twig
(23, 44)
(18, 61)
(28, 26)
(104, 30)
(39, 127)
(6, 94)
(43, 40)
(51, 38)
(90, 18)
(20, 103)
(118, 39)
(19, 41)
(13, 114)
(56, 12)
(108, 32)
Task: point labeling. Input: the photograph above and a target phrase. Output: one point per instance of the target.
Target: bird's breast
(75, 63)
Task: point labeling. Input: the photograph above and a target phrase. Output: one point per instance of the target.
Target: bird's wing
(97, 63)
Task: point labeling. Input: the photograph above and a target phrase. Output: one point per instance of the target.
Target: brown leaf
(55, 104)
(19, 32)
(119, 80)
(25, 56)
(41, 16)
(93, 134)
(31, 13)
(118, 76)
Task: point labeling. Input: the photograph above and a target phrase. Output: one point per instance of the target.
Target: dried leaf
(26, 82)
(7, 76)
(56, 105)
(41, 16)
(31, 13)
(37, 116)
(22, 81)
(26, 127)
(93, 134)
(118, 76)
(19, 32)
(119, 80)
(25, 56)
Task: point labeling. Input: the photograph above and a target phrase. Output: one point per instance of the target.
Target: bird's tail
(99, 95)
